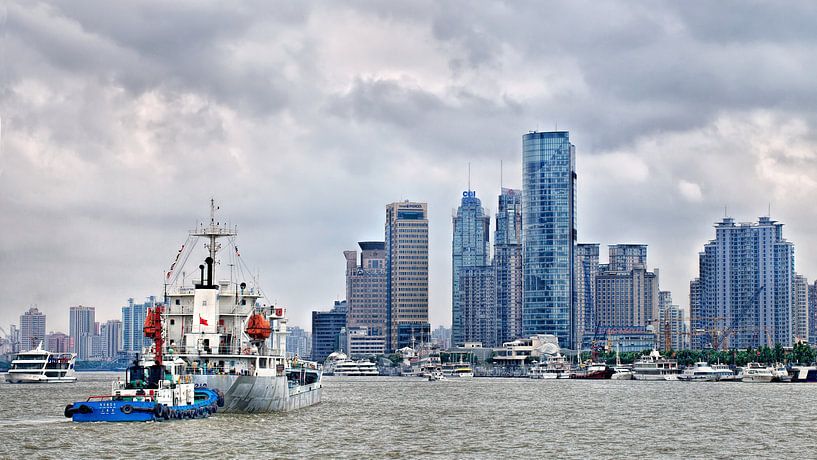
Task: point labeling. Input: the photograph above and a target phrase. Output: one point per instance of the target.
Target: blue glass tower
(470, 248)
(508, 265)
(549, 234)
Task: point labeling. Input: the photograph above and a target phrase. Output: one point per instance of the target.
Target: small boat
(41, 366)
(725, 373)
(151, 392)
(593, 371)
(780, 373)
(699, 372)
(436, 375)
(457, 370)
(655, 367)
(554, 367)
(622, 373)
(756, 373)
(800, 374)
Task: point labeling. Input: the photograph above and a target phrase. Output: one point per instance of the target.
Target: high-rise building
(671, 327)
(58, 342)
(366, 287)
(800, 312)
(477, 300)
(812, 313)
(111, 333)
(299, 342)
(14, 338)
(441, 337)
(32, 329)
(508, 265)
(133, 323)
(406, 232)
(81, 330)
(626, 293)
(697, 336)
(549, 232)
(326, 326)
(587, 268)
(470, 248)
(746, 277)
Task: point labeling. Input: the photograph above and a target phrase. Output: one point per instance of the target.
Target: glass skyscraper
(549, 234)
(470, 248)
(508, 265)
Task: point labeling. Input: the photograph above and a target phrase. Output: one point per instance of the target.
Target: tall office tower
(587, 268)
(406, 273)
(508, 265)
(671, 327)
(32, 329)
(477, 300)
(299, 342)
(799, 309)
(812, 313)
(326, 325)
(81, 330)
(746, 277)
(549, 233)
(626, 293)
(470, 248)
(58, 342)
(366, 287)
(111, 332)
(133, 323)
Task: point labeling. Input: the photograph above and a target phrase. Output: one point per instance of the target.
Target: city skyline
(119, 145)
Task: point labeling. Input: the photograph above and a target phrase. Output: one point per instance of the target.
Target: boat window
(178, 302)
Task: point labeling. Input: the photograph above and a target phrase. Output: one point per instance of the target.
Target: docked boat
(780, 374)
(554, 367)
(699, 372)
(152, 391)
(41, 366)
(724, 372)
(756, 373)
(457, 370)
(592, 370)
(801, 374)
(227, 334)
(436, 375)
(655, 367)
(622, 373)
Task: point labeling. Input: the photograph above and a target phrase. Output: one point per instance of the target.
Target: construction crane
(718, 339)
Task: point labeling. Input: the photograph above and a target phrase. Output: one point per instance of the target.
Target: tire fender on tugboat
(126, 409)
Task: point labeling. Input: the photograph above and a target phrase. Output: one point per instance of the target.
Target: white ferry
(458, 370)
(655, 367)
(756, 373)
(725, 373)
(351, 368)
(554, 367)
(229, 339)
(41, 366)
(700, 372)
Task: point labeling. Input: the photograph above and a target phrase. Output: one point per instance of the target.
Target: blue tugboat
(152, 391)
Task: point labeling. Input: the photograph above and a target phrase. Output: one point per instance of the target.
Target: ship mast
(213, 231)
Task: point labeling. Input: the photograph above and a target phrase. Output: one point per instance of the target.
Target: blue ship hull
(207, 402)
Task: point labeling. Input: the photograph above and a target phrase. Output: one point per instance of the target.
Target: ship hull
(258, 394)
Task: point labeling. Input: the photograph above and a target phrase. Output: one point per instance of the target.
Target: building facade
(508, 265)
(477, 300)
(745, 284)
(406, 231)
(587, 268)
(58, 342)
(366, 287)
(112, 337)
(812, 313)
(549, 232)
(470, 248)
(299, 342)
(32, 329)
(133, 323)
(671, 327)
(326, 326)
(800, 311)
(82, 329)
(626, 293)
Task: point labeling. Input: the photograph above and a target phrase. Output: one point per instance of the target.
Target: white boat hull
(757, 379)
(251, 394)
(37, 378)
(656, 377)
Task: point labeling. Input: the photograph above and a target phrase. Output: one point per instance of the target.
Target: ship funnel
(201, 267)
(209, 262)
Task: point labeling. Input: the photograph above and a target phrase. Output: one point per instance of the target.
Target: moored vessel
(655, 367)
(756, 373)
(41, 366)
(699, 372)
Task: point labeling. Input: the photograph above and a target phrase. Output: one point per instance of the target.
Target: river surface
(396, 417)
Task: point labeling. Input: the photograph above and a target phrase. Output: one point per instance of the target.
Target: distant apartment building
(586, 270)
(477, 300)
(812, 313)
(508, 265)
(549, 232)
(744, 287)
(406, 231)
(111, 334)
(441, 337)
(359, 342)
(81, 330)
(366, 287)
(58, 342)
(133, 323)
(32, 329)
(470, 249)
(799, 309)
(626, 292)
(299, 343)
(326, 327)
(671, 327)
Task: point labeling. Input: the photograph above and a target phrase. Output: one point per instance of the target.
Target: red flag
(279, 312)
(202, 321)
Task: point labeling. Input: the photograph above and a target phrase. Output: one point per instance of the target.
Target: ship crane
(721, 337)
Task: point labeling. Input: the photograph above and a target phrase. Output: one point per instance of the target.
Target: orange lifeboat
(258, 327)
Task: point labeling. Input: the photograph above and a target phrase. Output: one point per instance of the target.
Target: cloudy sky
(120, 121)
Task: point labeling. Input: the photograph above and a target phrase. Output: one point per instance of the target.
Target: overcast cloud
(303, 120)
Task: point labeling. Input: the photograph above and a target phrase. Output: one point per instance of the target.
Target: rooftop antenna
(770, 210)
(500, 176)
(725, 214)
(469, 176)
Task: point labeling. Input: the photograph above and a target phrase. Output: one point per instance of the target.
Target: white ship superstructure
(228, 337)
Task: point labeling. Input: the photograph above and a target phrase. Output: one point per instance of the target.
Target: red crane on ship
(153, 330)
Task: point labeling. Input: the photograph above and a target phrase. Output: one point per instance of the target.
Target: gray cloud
(120, 121)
